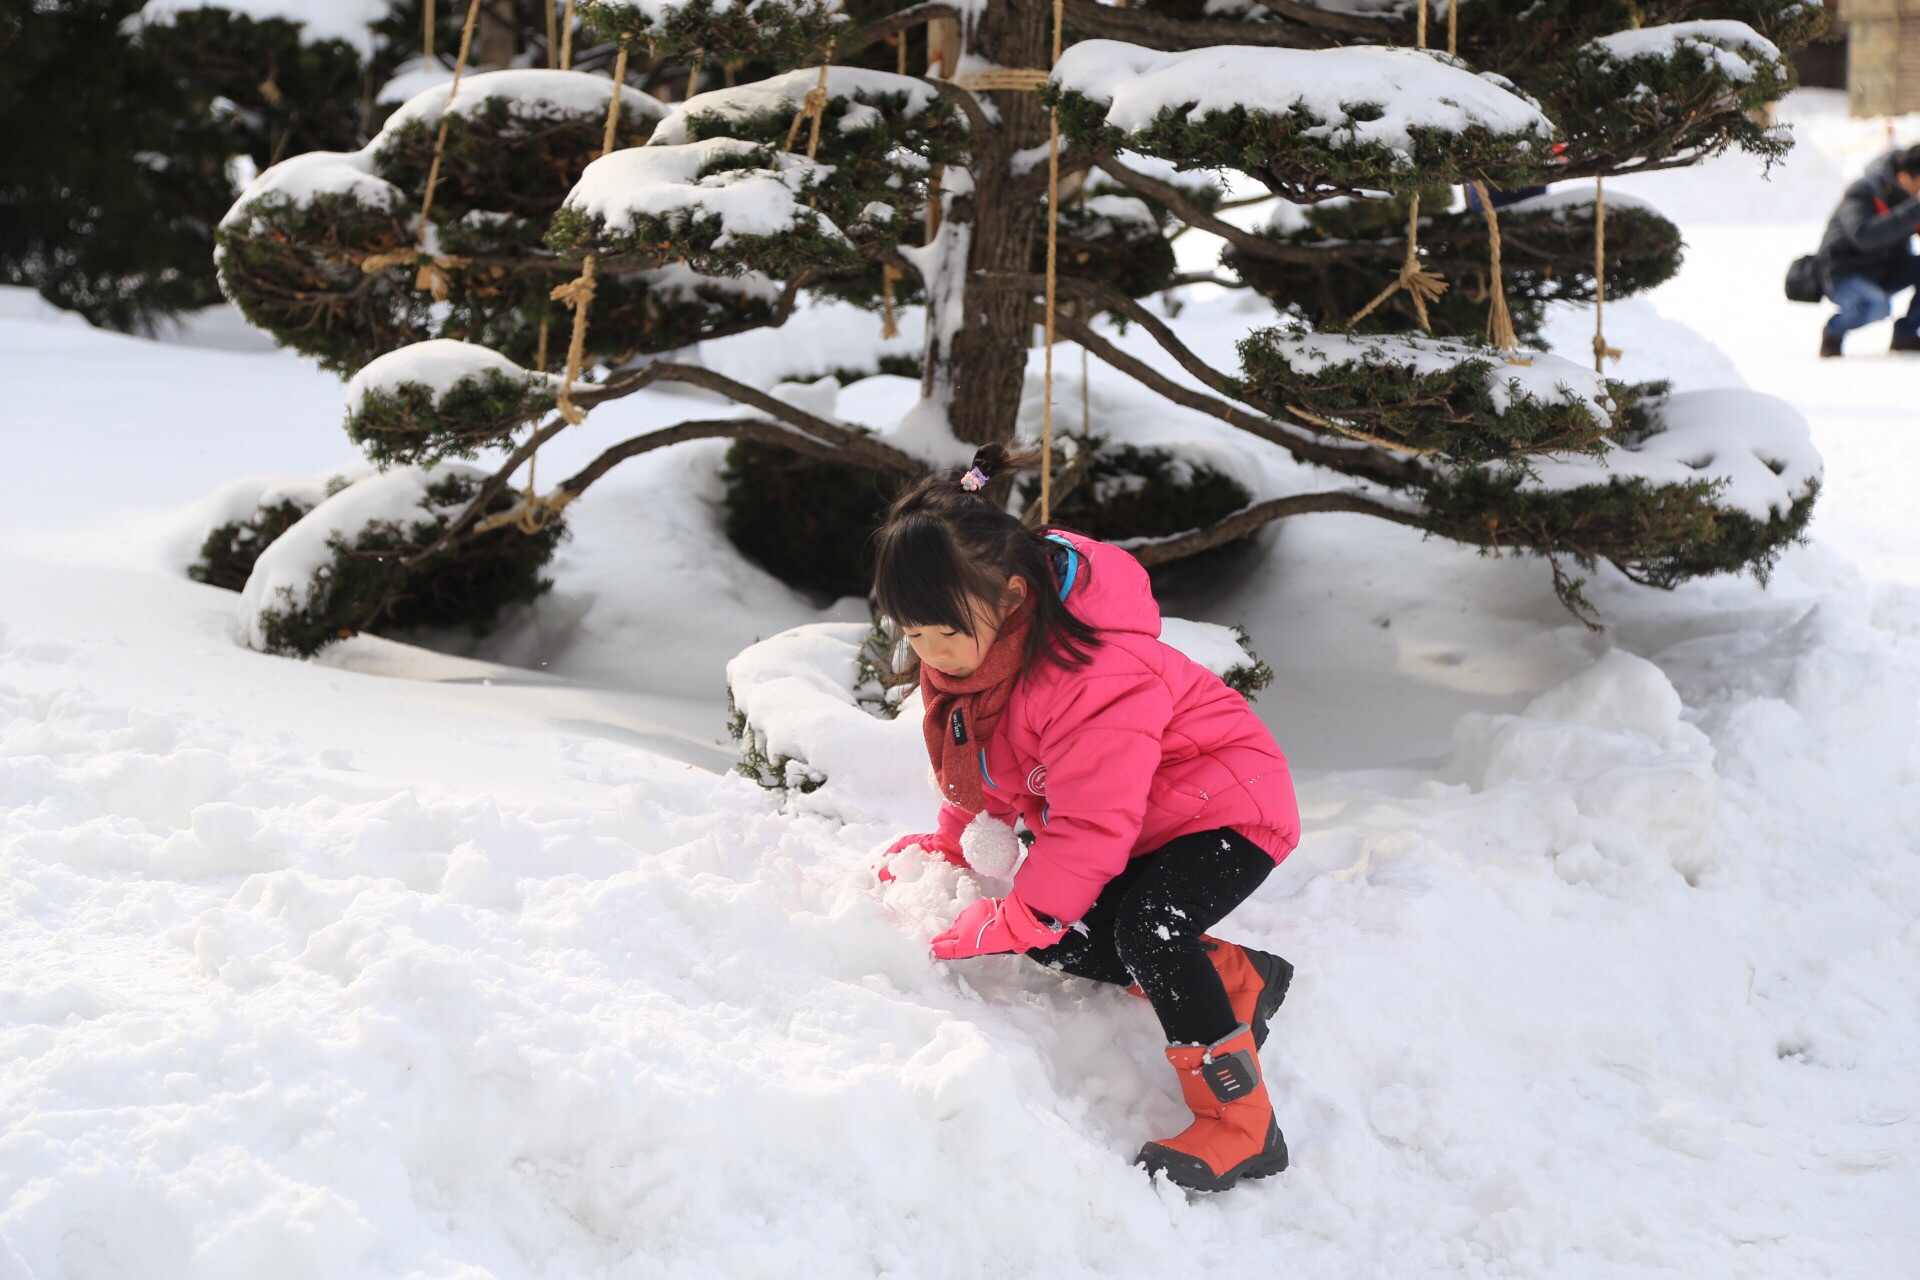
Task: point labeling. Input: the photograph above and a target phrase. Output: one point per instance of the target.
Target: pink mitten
(933, 842)
(993, 926)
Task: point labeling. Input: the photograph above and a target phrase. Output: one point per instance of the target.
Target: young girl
(1157, 800)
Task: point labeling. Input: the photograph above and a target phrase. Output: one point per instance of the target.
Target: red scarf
(963, 712)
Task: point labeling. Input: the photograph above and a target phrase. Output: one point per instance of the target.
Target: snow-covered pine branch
(780, 31)
(720, 205)
(442, 398)
(340, 568)
(1307, 123)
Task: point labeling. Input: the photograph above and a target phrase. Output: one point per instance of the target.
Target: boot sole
(1276, 975)
(1191, 1173)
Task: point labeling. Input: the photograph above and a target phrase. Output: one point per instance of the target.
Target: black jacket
(1868, 233)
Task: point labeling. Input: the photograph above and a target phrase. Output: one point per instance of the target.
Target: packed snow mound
(677, 184)
(1730, 47)
(531, 94)
(1630, 783)
(442, 366)
(349, 21)
(300, 180)
(786, 93)
(288, 568)
(1756, 446)
(1412, 88)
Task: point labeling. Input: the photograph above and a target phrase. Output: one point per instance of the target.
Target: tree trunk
(984, 363)
(495, 40)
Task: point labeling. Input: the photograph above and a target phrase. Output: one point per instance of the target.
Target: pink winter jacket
(1114, 759)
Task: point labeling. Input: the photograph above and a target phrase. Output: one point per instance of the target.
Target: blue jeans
(1865, 299)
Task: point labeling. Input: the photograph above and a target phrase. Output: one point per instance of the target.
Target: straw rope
(613, 105)
(1600, 348)
(1013, 79)
(535, 511)
(1499, 318)
(1053, 274)
(813, 107)
(889, 326)
(432, 275)
(1422, 285)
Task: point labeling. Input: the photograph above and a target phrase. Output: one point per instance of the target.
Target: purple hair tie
(974, 480)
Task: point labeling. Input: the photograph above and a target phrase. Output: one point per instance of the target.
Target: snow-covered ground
(451, 966)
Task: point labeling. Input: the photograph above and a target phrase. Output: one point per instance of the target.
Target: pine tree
(111, 177)
(776, 181)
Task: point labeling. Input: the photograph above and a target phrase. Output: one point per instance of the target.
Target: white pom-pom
(990, 847)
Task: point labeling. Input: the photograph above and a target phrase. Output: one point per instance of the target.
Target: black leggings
(1145, 927)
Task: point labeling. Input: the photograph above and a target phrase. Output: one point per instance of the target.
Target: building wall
(1883, 56)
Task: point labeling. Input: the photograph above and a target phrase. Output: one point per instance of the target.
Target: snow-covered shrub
(1353, 246)
(726, 30)
(442, 398)
(339, 569)
(1117, 240)
(1433, 395)
(808, 523)
(1127, 492)
(1658, 80)
(295, 248)
(836, 704)
(1300, 118)
(226, 558)
(1703, 482)
(830, 176)
(721, 206)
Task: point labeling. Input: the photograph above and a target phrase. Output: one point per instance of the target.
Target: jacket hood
(1880, 177)
(1105, 587)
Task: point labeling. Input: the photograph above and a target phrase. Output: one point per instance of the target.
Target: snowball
(990, 847)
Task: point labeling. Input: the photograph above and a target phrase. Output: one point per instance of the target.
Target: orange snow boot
(1256, 982)
(1233, 1134)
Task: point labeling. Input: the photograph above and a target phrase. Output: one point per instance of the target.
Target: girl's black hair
(942, 544)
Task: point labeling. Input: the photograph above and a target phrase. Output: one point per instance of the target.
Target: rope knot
(375, 263)
(1422, 286)
(575, 293)
(812, 107)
